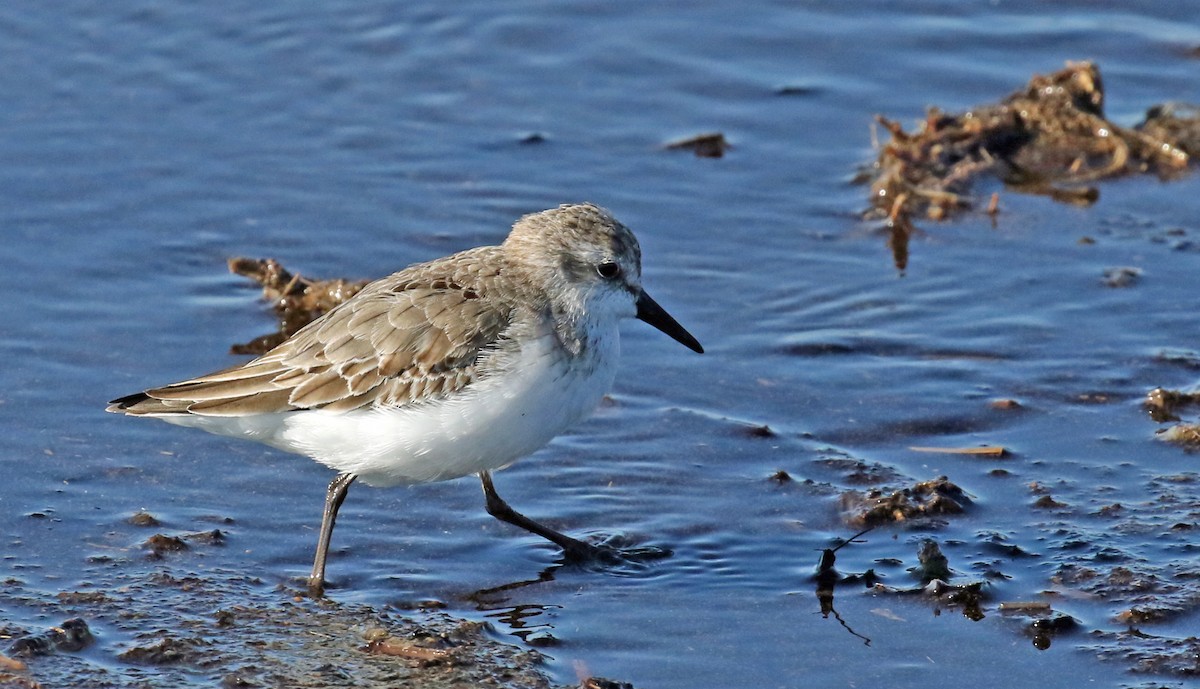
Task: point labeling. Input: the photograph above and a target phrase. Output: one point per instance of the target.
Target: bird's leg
(573, 549)
(334, 497)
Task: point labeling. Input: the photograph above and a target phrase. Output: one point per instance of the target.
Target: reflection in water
(828, 578)
(518, 618)
(627, 558)
(494, 601)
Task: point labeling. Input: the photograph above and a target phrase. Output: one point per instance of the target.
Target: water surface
(144, 143)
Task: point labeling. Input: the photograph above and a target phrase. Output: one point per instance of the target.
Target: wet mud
(1147, 582)
(173, 627)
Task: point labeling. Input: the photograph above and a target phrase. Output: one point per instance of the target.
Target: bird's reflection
(526, 621)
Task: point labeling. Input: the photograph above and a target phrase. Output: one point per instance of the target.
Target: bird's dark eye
(609, 271)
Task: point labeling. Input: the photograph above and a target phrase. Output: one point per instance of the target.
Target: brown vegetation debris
(1046, 502)
(297, 300)
(168, 651)
(1162, 404)
(982, 451)
(875, 506)
(1050, 137)
(759, 431)
(77, 597)
(12, 681)
(144, 518)
(72, 635)
(1121, 276)
(969, 597)
(781, 477)
(933, 562)
(1186, 434)
(391, 646)
(1005, 404)
(1176, 123)
(710, 145)
(1051, 131)
(1025, 607)
(161, 544)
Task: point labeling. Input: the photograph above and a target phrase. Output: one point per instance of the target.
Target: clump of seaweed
(925, 499)
(1163, 406)
(1051, 137)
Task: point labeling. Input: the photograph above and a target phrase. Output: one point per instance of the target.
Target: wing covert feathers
(415, 335)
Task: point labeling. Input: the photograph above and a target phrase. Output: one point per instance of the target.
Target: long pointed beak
(649, 311)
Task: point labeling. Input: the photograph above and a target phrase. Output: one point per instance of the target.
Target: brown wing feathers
(399, 340)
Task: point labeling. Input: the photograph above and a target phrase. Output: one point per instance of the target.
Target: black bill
(648, 310)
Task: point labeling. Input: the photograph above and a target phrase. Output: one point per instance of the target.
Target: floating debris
(710, 145)
(1177, 123)
(1005, 404)
(984, 451)
(1047, 502)
(168, 651)
(143, 518)
(1025, 607)
(759, 431)
(1162, 404)
(1049, 138)
(297, 300)
(1044, 623)
(877, 506)
(1122, 276)
(1186, 434)
(589, 681)
(969, 597)
(69, 637)
(161, 544)
(933, 563)
(78, 597)
(532, 138)
(380, 642)
(781, 477)
(211, 537)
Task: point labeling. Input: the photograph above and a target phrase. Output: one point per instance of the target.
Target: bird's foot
(316, 589)
(613, 550)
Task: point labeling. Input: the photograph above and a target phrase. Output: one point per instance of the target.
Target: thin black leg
(334, 497)
(572, 548)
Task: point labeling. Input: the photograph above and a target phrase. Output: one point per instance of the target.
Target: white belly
(490, 424)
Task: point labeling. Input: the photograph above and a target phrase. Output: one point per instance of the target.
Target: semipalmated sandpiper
(457, 366)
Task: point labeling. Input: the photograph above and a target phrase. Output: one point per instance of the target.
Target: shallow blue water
(144, 143)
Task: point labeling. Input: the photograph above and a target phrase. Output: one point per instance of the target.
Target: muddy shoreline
(167, 626)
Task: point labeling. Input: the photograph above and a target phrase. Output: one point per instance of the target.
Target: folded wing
(400, 341)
